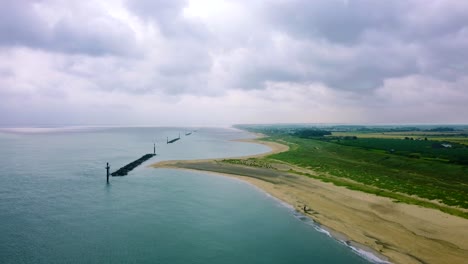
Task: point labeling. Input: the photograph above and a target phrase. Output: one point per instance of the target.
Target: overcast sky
(214, 62)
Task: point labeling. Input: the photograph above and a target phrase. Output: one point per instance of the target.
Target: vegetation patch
(252, 162)
(426, 149)
(432, 180)
(416, 170)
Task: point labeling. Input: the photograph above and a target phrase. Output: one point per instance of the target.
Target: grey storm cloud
(335, 20)
(389, 38)
(21, 24)
(381, 39)
(362, 52)
(168, 15)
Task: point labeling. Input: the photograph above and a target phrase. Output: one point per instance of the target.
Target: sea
(56, 207)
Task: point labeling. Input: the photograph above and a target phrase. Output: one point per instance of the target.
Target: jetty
(132, 165)
(188, 133)
(172, 140)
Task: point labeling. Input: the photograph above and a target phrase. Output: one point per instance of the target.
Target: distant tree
(442, 129)
(311, 133)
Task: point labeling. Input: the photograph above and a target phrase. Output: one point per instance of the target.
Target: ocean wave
(367, 255)
(355, 247)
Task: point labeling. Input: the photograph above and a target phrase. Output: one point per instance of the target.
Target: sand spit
(403, 233)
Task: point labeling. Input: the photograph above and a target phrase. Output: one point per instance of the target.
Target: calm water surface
(56, 208)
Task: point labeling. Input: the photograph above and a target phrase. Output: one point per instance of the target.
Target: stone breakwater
(173, 140)
(132, 165)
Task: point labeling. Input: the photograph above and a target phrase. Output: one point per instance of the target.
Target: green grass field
(420, 149)
(379, 160)
(454, 137)
(442, 182)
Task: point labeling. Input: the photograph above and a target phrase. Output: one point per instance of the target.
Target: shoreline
(360, 249)
(366, 223)
(275, 148)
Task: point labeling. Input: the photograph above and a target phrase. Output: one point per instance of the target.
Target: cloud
(168, 17)
(383, 39)
(45, 25)
(336, 21)
(234, 61)
(21, 24)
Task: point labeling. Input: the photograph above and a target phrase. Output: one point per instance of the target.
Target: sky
(223, 62)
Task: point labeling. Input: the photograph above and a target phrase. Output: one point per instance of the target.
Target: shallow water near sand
(55, 206)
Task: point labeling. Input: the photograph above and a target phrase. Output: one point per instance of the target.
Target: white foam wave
(368, 255)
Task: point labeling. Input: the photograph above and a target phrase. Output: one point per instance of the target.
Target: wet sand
(403, 233)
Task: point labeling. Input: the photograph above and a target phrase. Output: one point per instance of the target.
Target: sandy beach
(400, 232)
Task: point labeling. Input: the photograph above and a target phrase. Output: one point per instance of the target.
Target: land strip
(402, 232)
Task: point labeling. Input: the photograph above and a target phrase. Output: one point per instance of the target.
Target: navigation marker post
(107, 168)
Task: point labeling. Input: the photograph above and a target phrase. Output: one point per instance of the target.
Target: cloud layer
(210, 62)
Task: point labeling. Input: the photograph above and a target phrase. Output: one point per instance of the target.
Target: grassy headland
(416, 171)
(364, 189)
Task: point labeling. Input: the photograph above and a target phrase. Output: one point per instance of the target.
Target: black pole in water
(107, 168)
(154, 148)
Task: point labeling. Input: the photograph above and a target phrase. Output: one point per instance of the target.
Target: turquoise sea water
(55, 206)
